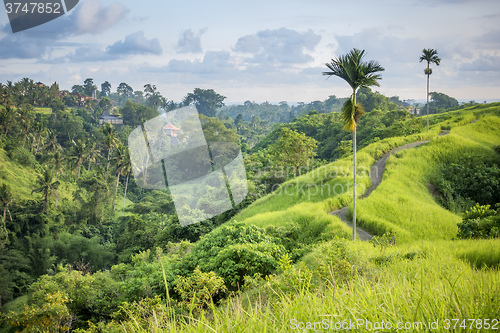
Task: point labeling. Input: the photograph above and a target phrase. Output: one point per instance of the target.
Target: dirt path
(376, 173)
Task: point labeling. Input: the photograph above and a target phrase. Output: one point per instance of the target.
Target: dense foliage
(83, 247)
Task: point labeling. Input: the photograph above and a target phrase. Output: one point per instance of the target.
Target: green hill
(284, 262)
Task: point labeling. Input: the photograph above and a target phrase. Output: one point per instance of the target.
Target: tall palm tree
(357, 74)
(46, 186)
(429, 55)
(58, 167)
(6, 199)
(52, 145)
(110, 140)
(93, 154)
(78, 156)
(123, 168)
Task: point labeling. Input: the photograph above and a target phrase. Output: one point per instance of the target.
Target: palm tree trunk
(109, 153)
(46, 202)
(125, 195)
(74, 211)
(428, 74)
(4, 217)
(116, 190)
(354, 171)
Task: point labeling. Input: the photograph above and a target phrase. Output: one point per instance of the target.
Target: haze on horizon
(261, 50)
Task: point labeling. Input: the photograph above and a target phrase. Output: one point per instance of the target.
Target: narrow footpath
(376, 173)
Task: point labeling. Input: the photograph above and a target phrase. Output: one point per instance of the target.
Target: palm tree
(124, 168)
(429, 55)
(78, 156)
(357, 74)
(58, 166)
(52, 145)
(46, 186)
(6, 199)
(93, 154)
(110, 140)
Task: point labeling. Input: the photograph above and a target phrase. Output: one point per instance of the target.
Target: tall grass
(403, 203)
(429, 287)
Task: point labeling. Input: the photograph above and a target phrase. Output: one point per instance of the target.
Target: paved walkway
(376, 173)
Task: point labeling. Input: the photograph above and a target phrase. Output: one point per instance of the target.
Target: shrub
(23, 156)
(480, 222)
(233, 251)
(199, 290)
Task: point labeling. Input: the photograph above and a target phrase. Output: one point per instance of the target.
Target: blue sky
(261, 50)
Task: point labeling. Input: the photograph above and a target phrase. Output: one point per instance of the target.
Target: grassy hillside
(16, 176)
(398, 203)
(403, 202)
(291, 263)
(22, 179)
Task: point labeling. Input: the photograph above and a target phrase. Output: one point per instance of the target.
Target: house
(171, 130)
(112, 119)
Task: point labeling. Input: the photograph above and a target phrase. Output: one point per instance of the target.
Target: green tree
(293, 149)
(441, 102)
(89, 87)
(105, 104)
(110, 140)
(153, 98)
(125, 90)
(105, 89)
(123, 168)
(357, 74)
(135, 114)
(429, 55)
(58, 167)
(78, 156)
(207, 101)
(47, 186)
(77, 89)
(6, 199)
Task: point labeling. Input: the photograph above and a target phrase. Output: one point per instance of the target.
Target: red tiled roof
(170, 126)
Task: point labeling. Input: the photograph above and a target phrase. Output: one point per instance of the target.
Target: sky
(272, 50)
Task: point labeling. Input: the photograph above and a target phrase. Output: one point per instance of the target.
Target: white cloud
(189, 42)
(93, 17)
(279, 46)
(135, 43)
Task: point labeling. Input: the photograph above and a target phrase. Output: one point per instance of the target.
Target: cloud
(380, 46)
(135, 43)
(24, 46)
(90, 17)
(485, 63)
(93, 17)
(189, 42)
(87, 53)
(279, 46)
(216, 63)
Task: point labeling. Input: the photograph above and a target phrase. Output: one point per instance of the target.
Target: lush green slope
(22, 180)
(403, 203)
(16, 176)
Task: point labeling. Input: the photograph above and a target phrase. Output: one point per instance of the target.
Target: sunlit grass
(428, 287)
(403, 203)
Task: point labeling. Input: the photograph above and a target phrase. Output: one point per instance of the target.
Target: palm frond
(350, 116)
(430, 55)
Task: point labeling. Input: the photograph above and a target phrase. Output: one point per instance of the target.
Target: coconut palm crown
(429, 55)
